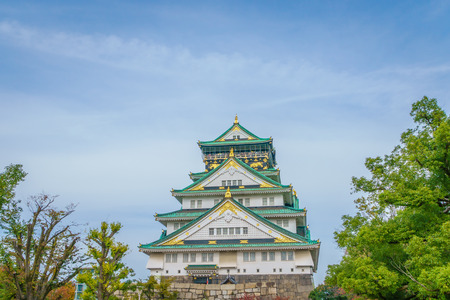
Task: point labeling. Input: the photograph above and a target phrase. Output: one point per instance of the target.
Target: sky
(103, 102)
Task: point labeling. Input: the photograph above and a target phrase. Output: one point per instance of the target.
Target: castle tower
(237, 219)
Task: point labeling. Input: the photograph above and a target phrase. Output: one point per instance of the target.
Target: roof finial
(236, 120)
(231, 152)
(228, 193)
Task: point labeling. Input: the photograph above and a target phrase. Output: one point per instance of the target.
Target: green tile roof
(309, 243)
(234, 142)
(249, 211)
(242, 164)
(260, 211)
(229, 129)
(201, 267)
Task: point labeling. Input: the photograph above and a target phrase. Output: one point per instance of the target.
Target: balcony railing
(251, 154)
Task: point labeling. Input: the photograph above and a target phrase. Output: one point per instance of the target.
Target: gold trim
(174, 241)
(232, 163)
(284, 239)
(228, 206)
(236, 120)
(212, 242)
(228, 193)
(244, 242)
(231, 152)
(265, 185)
(197, 188)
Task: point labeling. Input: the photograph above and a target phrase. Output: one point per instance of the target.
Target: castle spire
(236, 120)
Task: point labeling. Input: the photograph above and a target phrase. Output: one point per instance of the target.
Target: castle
(238, 222)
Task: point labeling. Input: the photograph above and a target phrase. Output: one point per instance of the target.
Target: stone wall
(266, 287)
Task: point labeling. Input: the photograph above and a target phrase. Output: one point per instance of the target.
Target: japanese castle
(237, 222)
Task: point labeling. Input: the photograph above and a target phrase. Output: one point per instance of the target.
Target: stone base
(264, 287)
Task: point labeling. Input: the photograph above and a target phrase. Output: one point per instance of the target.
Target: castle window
(225, 231)
(267, 256)
(239, 182)
(193, 257)
(171, 258)
(231, 230)
(192, 203)
(219, 231)
(224, 182)
(249, 256)
(244, 230)
(237, 230)
(241, 201)
(264, 202)
(283, 223)
(207, 257)
(185, 257)
(271, 256)
(247, 201)
(229, 182)
(271, 201)
(287, 255)
(199, 203)
(211, 231)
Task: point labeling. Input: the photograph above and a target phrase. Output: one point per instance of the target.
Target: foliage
(7, 288)
(398, 244)
(151, 288)
(39, 254)
(109, 273)
(66, 292)
(8, 181)
(324, 291)
(148, 288)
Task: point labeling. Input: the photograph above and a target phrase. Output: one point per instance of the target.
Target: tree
(398, 244)
(109, 273)
(39, 254)
(323, 292)
(66, 292)
(8, 181)
(152, 288)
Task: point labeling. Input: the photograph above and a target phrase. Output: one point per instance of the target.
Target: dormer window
(236, 137)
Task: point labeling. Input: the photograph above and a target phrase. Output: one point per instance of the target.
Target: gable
(229, 226)
(229, 213)
(238, 174)
(236, 133)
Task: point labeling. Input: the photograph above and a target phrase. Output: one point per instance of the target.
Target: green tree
(151, 288)
(109, 273)
(398, 244)
(326, 292)
(38, 254)
(8, 181)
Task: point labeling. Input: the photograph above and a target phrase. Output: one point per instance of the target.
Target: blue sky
(103, 101)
